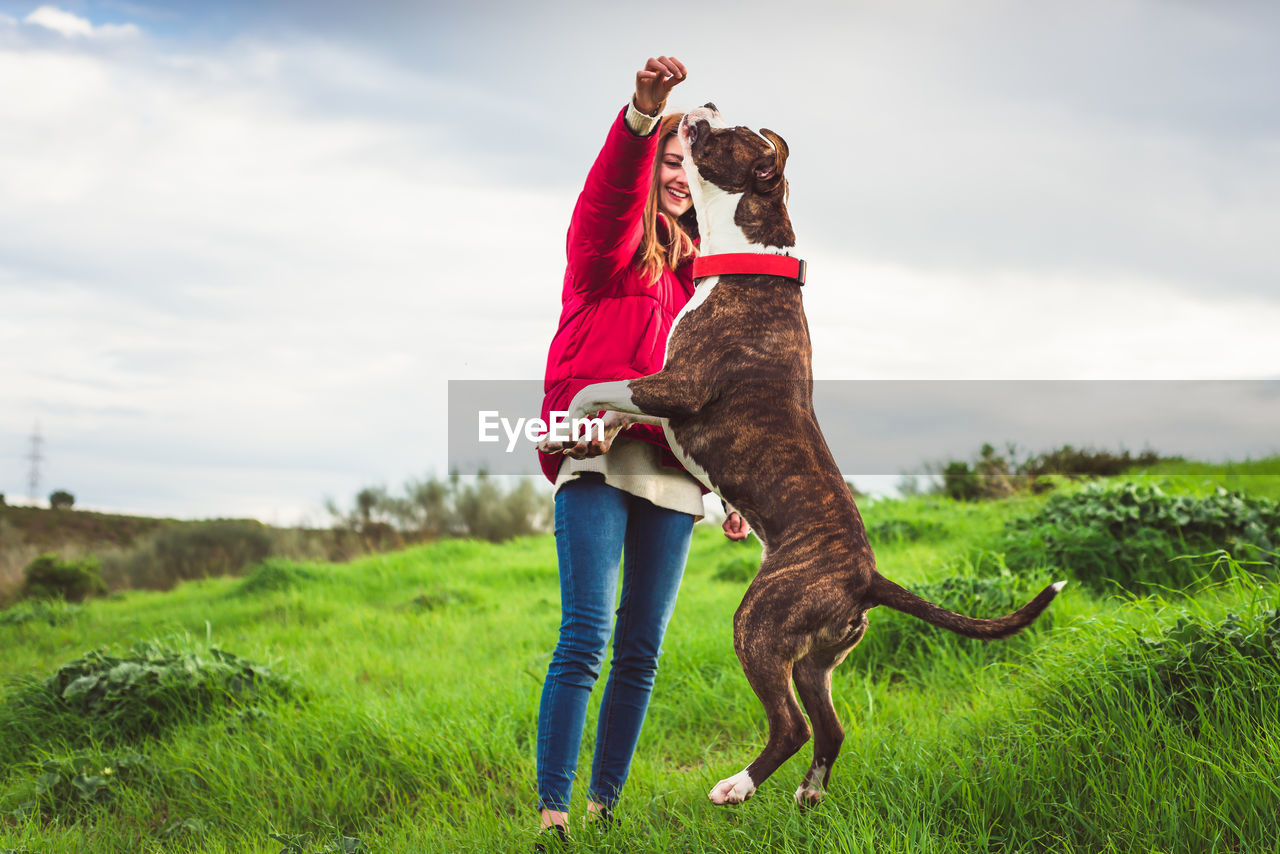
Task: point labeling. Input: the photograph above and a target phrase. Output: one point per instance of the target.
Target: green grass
(1256, 477)
(415, 679)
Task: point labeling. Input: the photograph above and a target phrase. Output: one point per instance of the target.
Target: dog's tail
(885, 592)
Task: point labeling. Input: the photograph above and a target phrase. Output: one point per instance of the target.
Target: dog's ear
(767, 170)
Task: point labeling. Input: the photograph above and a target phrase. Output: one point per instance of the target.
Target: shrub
(102, 699)
(1086, 462)
(194, 550)
(1131, 535)
(49, 576)
(993, 475)
(1190, 673)
(69, 787)
(1183, 671)
(61, 500)
(156, 685)
(959, 483)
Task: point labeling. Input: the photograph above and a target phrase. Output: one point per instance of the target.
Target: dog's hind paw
(809, 796)
(734, 790)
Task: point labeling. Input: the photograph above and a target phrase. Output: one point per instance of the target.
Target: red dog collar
(761, 263)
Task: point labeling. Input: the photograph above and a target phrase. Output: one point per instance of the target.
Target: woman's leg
(657, 545)
(591, 525)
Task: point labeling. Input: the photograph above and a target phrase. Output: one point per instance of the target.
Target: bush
(1086, 462)
(993, 475)
(61, 500)
(194, 550)
(1131, 535)
(49, 576)
(71, 787)
(1192, 673)
(959, 483)
(1182, 671)
(104, 700)
(156, 685)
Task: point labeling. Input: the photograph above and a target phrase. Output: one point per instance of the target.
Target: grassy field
(397, 707)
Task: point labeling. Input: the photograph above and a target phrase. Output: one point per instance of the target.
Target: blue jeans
(595, 523)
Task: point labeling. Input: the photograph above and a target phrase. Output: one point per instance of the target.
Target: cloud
(197, 265)
(72, 26)
(879, 321)
(265, 256)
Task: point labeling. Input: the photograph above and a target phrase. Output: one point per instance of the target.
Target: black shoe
(605, 818)
(558, 841)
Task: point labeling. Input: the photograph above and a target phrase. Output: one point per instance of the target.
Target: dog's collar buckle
(756, 263)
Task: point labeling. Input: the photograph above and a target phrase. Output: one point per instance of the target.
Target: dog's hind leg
(813, 683)
(770, 678)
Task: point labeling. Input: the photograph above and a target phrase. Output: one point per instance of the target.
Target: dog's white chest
(695, 302)
(700, 294)
(685, 460)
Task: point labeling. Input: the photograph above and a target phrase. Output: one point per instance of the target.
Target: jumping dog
(735, 398)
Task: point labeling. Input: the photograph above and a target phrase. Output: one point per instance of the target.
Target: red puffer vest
(613, 324)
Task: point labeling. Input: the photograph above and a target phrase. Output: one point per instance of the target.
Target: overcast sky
(245, 245)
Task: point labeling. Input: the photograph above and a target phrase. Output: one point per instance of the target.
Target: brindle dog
(735, 398)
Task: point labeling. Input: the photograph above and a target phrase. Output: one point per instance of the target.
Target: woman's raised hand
(654, 81)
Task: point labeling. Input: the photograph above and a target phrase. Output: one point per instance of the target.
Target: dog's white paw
(578, 450)
(809, 796)
(550, 446)
(734, 790)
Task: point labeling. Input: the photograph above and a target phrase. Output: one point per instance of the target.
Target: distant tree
(1, 499)
(367, 501)
(480, 506)
(61, 499)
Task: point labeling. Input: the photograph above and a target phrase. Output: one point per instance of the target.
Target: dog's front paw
(734, 790)
(547, 445)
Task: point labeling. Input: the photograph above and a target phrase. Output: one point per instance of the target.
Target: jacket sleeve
(607, 223)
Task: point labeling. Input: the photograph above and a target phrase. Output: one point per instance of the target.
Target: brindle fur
(737, 393)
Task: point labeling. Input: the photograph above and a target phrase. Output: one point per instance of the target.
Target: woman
(630, 247)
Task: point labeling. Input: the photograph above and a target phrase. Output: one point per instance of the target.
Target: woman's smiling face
(673, 187)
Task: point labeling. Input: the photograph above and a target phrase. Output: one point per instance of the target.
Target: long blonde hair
(655, 255)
